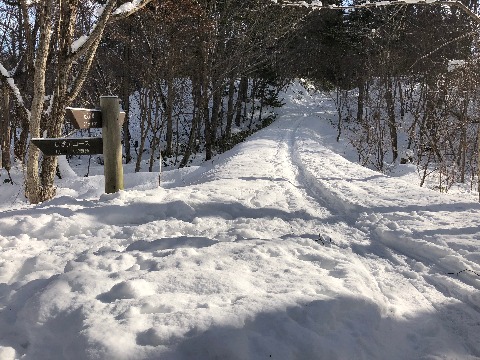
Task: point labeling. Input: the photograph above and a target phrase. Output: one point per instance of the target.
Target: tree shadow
(138, 213)
(336, 329)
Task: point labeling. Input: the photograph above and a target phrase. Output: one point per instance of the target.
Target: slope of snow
(280, 248)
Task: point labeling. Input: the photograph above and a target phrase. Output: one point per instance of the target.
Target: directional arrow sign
(88, 118)
(70, 146)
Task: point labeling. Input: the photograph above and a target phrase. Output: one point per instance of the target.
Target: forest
(198, 76)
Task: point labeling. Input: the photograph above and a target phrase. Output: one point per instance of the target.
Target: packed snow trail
(431, 238)
(280, 249)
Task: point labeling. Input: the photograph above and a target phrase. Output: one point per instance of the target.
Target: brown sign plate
(84, 118)
(72, 146)
(88, 118)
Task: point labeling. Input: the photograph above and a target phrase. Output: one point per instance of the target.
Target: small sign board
(88, 118)
(69, 146)
(84, 118)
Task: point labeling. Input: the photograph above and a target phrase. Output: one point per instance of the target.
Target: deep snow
(281, 248)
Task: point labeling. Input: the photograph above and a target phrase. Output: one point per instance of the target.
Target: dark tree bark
(392, 124)
(230, 108)
(197, 96)
(5, 132)
(216, 105)
(241, 99)
(126, 88)
(169, 114)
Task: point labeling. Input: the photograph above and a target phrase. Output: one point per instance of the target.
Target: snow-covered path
(279, 249)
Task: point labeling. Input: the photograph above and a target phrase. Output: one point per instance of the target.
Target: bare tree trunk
(339, 113)
(205, 82)
(206, 119)
(195, 121)
(127, 51)
(262, 98)
(21, 112)
(217, 103)
(463, 154)
(392, 125)
(126, 131)
(32, 181)
(402, 100)
(463, 142)
(478, 161)
(252, 99)
(65, 32)
(169, 113)
(145, 122)
(242, 97)
(156, 126)
(360, 101)
(230, 108)
(5, 129)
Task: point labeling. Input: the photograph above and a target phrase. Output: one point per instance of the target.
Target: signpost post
(110, 119)
(112, 143)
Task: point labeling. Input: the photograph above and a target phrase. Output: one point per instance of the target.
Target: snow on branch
(83, 44)
(106, 13)
(16, 91)
(318, 5)
(129, 8)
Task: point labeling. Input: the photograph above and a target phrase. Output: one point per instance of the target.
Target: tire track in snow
(381, 225)
(383, 293)
(287, 167)
(383, 272)
(337, 225)
(404, 252)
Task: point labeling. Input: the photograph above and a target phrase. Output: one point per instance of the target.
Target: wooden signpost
(110, 119)
(112, 143)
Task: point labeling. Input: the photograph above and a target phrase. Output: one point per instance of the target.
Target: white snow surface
(279, 249)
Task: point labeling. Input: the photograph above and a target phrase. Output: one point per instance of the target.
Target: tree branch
(471, 33)
(93, 40)
(96, 33)
(108, 13)
(82, 76)
(317, 5)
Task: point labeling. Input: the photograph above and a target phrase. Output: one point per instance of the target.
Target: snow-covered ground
(281, 248)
